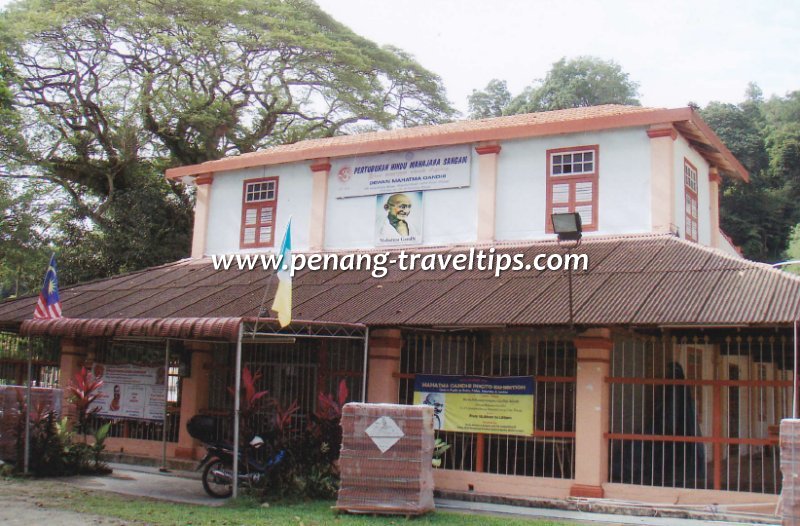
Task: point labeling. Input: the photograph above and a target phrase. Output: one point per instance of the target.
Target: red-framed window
(259, 205)
(690, 198)
(572, 175)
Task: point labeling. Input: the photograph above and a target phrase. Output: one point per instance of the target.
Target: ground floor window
(549, 357)
(699, 410)
(45, 352)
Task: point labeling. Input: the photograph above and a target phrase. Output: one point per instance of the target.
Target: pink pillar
(73, 356)
(662, 178)
(383, 384)
(194, 397)
(714, 181)
(592, 418)
(319, 202)
(487, 190)
(201, 206)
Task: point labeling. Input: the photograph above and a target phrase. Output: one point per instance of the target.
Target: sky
(678, 51)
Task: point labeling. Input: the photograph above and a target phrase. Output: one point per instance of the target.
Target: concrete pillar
(194, 397)
(202, 202)
(383, 385)
(662, 178)
(319, 203)
(592, 413)
(487, 190)
(714, 181)
(73, 357)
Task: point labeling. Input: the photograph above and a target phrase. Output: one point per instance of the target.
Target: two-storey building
(661, 371)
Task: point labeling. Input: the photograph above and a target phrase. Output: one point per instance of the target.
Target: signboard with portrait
(130, 391)
(478, 404)
(409, 171)
(398, 219)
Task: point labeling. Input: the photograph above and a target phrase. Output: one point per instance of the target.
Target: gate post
(383, 385)
(592, 413)
(73, 357)
(194, 397)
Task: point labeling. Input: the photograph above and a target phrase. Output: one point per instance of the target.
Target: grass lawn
(53, 494)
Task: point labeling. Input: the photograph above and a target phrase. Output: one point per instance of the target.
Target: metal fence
(291, 370)
(146, 353)
(14, 360)
(548, 356)
(699, 410)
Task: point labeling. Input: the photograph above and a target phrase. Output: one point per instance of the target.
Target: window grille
(699, 411)
(550, 358)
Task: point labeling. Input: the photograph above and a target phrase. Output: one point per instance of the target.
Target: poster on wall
(130, 391)
(478, 404)
(398, 219)
(410, 171)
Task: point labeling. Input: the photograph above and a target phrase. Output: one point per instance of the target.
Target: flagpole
(28, 410)
(164, 427)
(366, 361)
(236, 402)
(47, 307)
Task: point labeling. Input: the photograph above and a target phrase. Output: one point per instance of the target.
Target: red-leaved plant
(83, 390)
(329, 408)
(249, 397)
(248, 402)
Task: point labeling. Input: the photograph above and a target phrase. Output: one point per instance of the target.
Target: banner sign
(130, 391)
(478, 404)
(390, 173)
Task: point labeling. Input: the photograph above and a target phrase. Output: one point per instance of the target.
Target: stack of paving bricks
(790, 466)
(385, 461)
(42, 399)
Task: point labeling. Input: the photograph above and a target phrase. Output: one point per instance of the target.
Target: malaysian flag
(49, 304)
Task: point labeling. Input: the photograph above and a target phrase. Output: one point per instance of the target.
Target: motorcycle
(217, 465)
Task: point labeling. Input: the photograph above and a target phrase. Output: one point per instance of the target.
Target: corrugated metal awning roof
(226, 329)
(641, 280)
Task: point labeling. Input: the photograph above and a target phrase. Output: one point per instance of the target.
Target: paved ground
(185, 486)
(181, 486)
(19, 504)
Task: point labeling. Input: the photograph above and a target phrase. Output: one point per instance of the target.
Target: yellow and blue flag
(282, 304)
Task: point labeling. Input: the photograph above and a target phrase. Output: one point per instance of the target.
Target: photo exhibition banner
(478, 404)
(411, 171)
(130, 391)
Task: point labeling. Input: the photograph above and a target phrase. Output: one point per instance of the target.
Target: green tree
(578, 82)
(491, 101)
(765, 137)
(110, 93)
(23, 239)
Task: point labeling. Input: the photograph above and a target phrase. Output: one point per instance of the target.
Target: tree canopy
(108, 94)
(570, 83)
(765, 137)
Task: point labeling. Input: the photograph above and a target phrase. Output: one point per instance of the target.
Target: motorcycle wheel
(219, 489)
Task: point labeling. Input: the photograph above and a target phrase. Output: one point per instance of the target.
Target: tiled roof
(642, 280)
(573, 120)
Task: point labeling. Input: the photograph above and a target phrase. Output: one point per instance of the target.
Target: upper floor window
(572, 176)
(690, 197)
(258, 212)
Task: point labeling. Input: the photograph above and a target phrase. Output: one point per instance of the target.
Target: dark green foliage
(491, 101)
(765, 137)
(309, 468)
(99, 97)
(573, 83)
(53, 450)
